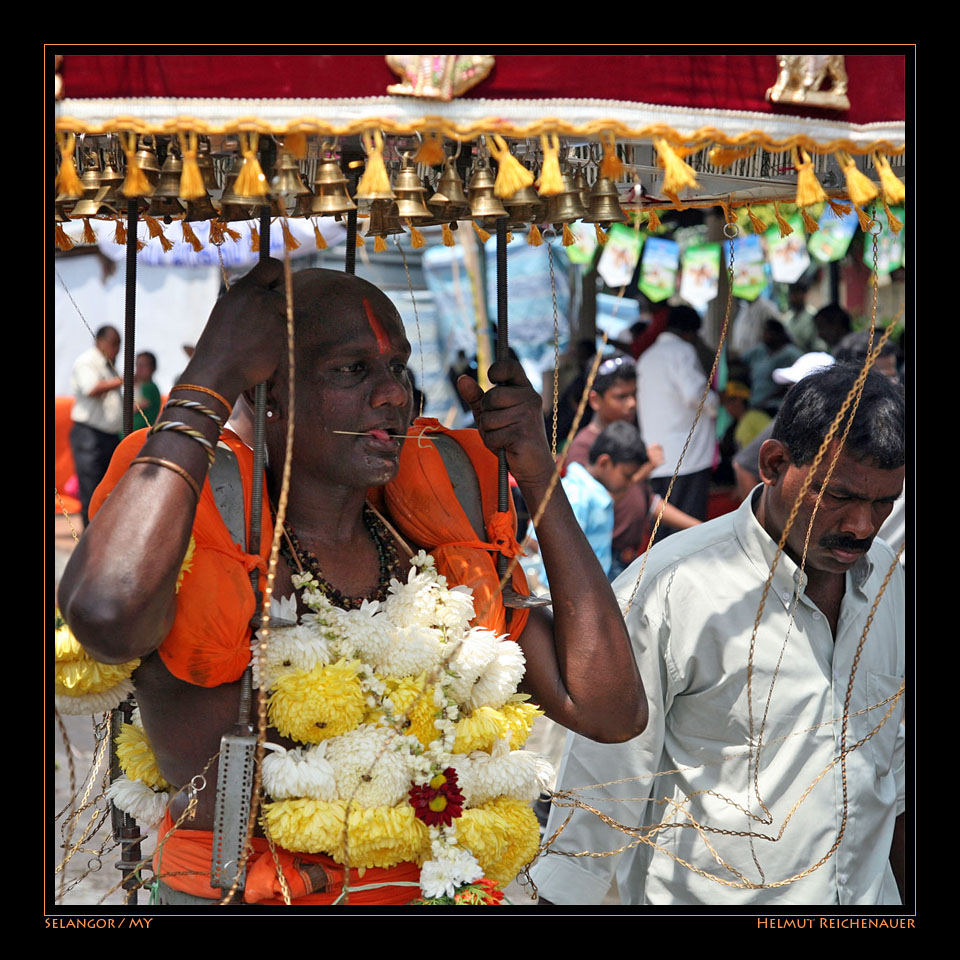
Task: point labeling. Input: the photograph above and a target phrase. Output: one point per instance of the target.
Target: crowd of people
(716, 720)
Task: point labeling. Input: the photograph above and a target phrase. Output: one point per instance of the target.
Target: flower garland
(81, 684)
(142, 791)
(409, 717)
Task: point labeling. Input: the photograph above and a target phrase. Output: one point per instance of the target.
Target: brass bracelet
(170, 465)
(199, 407)
(206, 390)
(178, 426)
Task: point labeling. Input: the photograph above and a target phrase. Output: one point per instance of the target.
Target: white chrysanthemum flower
(95, 702)
(363, 634)
(300, 772)
(414, 649)
(137, 799)
(284, 608)
(475, 653)
(371, 766)
(292, 649)
(415, 602)
(499, 680)
(455, 610)
(442, 876)
(502, 772)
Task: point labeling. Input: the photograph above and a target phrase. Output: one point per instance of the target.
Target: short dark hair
(104, 330)
(150, 356)
(834, 313)
(685, 318)
(853, 347)
(877, 433)
(621, 442)
(612, 369)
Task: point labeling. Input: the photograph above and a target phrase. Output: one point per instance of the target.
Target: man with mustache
(771, 771)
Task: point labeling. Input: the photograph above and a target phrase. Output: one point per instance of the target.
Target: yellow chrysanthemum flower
(136, 757)
(77, 674)
(411, 699)
(484, 833)
(327, 701)
(522, 838)
(479, 731)
(187, 564)
(305, 825)
(518, 717)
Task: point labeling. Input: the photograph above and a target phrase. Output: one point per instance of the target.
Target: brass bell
(165, 200)
(410, 192)
(146, 160)
(254, 202)
(59, 214)
(232, 205)
(205, 162)
(583, 188)
(384, 219)
(449, 202)
(484, 204)
(330, 194)
(91, 204)
(112, 180)
(286, 184)
(525, 206)
(202, 208)
(566, 206)
(605, 203)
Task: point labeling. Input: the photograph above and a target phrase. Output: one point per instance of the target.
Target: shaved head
(322, 296)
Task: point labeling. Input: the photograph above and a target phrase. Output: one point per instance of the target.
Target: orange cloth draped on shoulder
(423, 506)
(183, 863)
(209, 643)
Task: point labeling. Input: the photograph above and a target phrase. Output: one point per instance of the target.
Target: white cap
(803, 367)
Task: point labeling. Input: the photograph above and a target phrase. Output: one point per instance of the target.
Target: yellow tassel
(250, 181)
(785, 228)
(216, 232)
(254, 239)
(153, 225)
(611, 166)
(512, 175)
(602, 238)
(893, 189)
(840, 210)
(808, 186)
(67, 182)
(509, 238)
(809, 224)
(481, 233)
(678, 174)
(135, 183)
(379, 244)
(191, 180)
(550, 182)
(448, 238)
(860, 189)
(430, 153)
(895, 225)
(374, 180)
(61, 239)
(360, 241)
(755, 222)
(318, 238)
(120, 234)
(295, 143)
(416, 237)
(231, 233)
(290, 242)
(165, 244)
(568, 238)
(190, 237)
(534, 237)
(677, 205)
(863, 217)
(88, 234)
(724, 156)
(653, 221)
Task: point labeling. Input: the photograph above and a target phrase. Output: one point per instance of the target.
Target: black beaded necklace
(303, 561)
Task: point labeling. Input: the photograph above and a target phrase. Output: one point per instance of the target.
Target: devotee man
(97, 412)
(741, 727)
(120, 591)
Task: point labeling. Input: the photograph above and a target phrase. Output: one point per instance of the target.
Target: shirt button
(785, 595)
(842, 877)
(816, 616)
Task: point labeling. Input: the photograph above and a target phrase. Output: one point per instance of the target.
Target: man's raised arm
(580, 666)
(118, 592)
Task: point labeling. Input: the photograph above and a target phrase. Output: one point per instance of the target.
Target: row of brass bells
(93, 203)
(485, 205)
(449, 203)
(604, 207)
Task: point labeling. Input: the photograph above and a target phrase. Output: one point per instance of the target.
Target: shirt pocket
(883, 743)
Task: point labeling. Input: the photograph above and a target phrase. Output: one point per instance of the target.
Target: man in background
(97, 412)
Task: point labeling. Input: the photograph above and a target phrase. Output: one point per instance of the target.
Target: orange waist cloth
(183, 863)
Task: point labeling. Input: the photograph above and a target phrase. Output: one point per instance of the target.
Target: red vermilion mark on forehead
(383, 341)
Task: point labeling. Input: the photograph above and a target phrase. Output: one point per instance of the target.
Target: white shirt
(670, 383)
(691, 625)
(105, 411)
